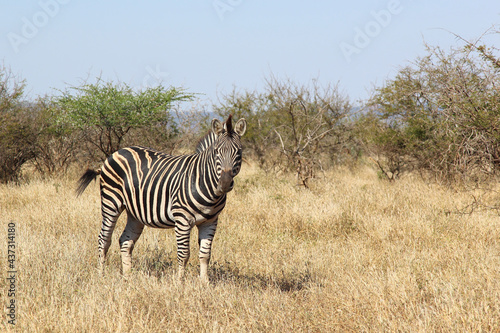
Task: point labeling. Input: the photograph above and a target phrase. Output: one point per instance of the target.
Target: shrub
(18, 133)
(440, 116)
(58, 144)
(292, 127)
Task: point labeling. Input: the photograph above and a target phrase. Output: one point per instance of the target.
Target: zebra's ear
(240, 127)
(217, 126)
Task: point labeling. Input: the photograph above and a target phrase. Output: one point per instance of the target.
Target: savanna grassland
(352, 253)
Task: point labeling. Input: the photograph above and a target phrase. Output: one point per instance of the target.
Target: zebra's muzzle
(225, 183)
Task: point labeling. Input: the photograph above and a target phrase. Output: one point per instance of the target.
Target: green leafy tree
(105, 112)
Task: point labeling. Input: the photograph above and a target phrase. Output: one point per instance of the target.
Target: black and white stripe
(164, 191)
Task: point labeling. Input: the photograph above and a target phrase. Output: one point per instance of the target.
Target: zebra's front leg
(206, 233)
(129, 237)
(182, 235)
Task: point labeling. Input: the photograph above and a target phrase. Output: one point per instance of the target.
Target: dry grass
(354, 253)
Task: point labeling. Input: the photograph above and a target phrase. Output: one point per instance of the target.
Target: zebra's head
(227, 148)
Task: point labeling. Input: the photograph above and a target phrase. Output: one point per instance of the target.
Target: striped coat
(163, 191)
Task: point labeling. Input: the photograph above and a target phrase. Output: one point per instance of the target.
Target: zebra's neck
(206, 142)
(208, 175)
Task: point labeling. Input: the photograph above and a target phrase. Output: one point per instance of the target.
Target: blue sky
(209, 46)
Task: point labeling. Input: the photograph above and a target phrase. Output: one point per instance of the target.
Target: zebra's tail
(86, 179)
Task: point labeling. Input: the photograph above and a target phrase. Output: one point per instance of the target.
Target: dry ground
(354, 253)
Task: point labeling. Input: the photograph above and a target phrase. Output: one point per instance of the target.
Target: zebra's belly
(179, 215)
(158, 223)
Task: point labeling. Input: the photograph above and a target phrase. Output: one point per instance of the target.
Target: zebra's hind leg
(107, 228)
(206, 233)
(129, 237)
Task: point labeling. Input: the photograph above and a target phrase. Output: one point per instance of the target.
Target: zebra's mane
(206, 142)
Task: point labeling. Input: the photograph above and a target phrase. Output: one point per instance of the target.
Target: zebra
(164, 191)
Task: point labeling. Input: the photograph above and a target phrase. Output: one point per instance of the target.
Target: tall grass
(353, 253)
